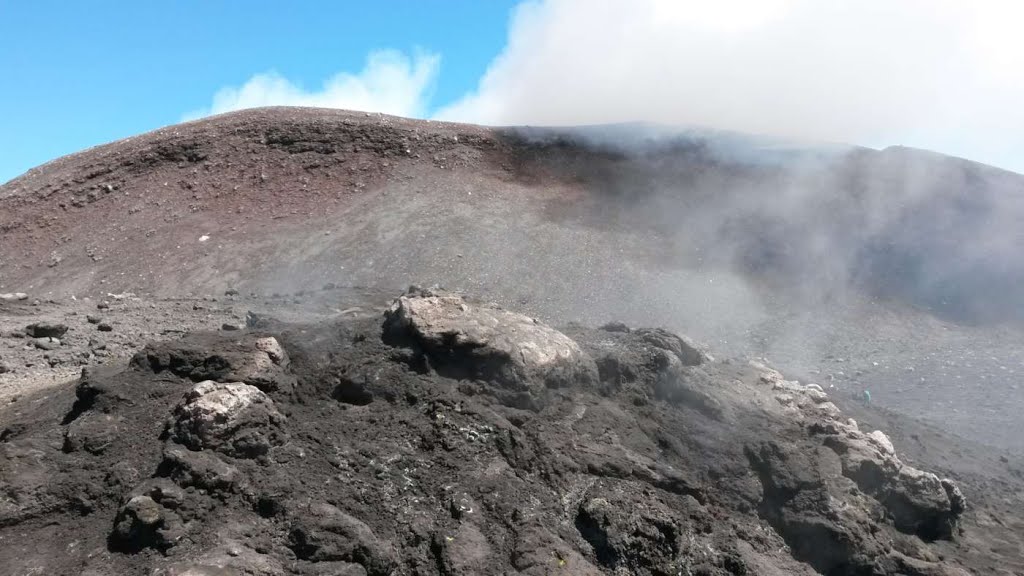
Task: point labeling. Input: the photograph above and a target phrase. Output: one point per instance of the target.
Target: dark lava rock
(456, 438)
(148, 519)
(46, 330)
(93, 319)
(256, 360)
(321, 532)
(94, 433)
(203, 470)
(104, 327)
(683, 348)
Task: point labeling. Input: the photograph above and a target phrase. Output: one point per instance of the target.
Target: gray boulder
(459, 339)
(686, 350)
(46, 343)
(148, 519)
(46, 330)
(260, 361)
(232, 417)
(918, 502)
(202, 470)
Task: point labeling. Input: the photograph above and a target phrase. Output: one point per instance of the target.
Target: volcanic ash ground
(451, 436)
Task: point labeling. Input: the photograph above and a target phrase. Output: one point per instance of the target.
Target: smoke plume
(941, 75)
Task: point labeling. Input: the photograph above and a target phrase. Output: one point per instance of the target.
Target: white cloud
(390, 82)
(940, 74)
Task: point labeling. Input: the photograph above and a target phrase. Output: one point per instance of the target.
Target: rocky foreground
(455, 437)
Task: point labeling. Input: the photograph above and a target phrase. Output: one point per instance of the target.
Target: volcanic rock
(685, 349)
(408, 448)
(46, 343)
(321, 532)
(234, 417)
(256, 360)
(482, 341)
(148, 518)
(919, 502)
(46, 330)
(27, 477)
(93, 433)
(202, 469)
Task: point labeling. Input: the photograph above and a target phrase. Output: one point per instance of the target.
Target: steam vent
(641, 353)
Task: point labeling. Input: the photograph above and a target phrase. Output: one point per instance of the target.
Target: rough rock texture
(663, 231)
(323, 533)
(253, 359)
(234, 417)
(46, 330)
(397, 451)
(481, 341)
(918, 502)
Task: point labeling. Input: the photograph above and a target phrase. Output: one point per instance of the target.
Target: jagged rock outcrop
(481, 341)
(451, 437)
(918, 502)
(233, 417)
(251, 358)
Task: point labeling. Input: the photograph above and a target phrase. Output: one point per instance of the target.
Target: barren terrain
(853, 270)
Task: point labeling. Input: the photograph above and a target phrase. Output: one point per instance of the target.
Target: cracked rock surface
(452, 437)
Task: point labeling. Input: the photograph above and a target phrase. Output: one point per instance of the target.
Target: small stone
(13, 296)
(142, 522)
(46, 343)
(784, 399)
(273, 349)
(146, 511)
(103, 306)
(93, 319)
(817, 396)
(227, 326)
(104, 327)
(882, 441)
(46, 330)
(616, 327)
(231, 292)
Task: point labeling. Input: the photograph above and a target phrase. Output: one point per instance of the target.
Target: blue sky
(943, 76)
(76, 74)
